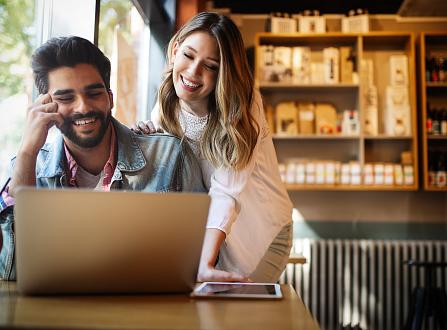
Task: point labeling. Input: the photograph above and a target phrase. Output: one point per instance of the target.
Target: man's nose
(82, 105)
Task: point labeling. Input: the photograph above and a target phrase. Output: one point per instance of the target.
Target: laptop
(73, 241)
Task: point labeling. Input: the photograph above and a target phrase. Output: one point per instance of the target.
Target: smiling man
(93, 150)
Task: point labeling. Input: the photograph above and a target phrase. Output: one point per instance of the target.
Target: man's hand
(146, 127)
(41, 116)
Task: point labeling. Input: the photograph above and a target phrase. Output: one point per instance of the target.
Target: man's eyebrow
(195, 51)
(63, 92)
(94, 86)
(60, 92)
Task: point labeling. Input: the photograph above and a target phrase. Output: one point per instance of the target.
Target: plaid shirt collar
(109, 167)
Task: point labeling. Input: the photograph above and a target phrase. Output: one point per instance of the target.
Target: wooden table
(150, 312)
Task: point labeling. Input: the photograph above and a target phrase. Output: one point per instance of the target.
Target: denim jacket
(152, 163)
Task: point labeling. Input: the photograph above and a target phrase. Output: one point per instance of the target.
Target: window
(17, 41)
(124, 38)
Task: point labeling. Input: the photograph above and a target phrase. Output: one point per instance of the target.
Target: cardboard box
(283, 25)
(265, 63)
(398, 70)
(325, 119)
(286, 119)
(357, 24)
(301, 65)
(366, 72)
(282, 63)
(397, 112)
(306, 115)
(370, 104)
(312, 24)
(317, 73)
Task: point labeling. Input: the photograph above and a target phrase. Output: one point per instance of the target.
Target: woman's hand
(146, 127)
(207, 272)
(211, 274)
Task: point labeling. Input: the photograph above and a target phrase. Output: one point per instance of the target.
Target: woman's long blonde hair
(231, 132)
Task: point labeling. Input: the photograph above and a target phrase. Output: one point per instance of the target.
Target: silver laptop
(78, 241)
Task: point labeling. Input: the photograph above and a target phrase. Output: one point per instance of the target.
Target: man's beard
(90, 142)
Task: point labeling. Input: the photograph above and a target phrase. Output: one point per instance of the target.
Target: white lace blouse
(251, 205)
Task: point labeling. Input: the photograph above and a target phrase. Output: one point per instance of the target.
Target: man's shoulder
(158, 139)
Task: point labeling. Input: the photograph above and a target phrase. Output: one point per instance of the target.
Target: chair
(429, 301)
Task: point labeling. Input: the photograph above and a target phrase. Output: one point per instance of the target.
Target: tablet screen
(241, 290)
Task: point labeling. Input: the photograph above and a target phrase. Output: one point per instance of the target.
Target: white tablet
(237, 290)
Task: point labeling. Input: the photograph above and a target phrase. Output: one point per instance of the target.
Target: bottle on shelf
(436, 125)
(443, 123)
(432, 168)
(441, 174)
(428, 69)
(434, 70)
(429, 120)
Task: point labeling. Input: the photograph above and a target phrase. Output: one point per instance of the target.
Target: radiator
(362, 284)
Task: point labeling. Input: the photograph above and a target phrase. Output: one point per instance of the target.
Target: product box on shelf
(398, 70)
(331, 59)
(283, 25)
(397, 111)
(312, 24)
(282, 63)
(367, 72)
(350, 122)
(346, 65)
(266, 68)
(379, 173)
(306, 115)
(301, 65)
(286, 119)
(310, 173)
(355, 24)
(317, 73)
(370, 104)
(325, 118)
(368, 174)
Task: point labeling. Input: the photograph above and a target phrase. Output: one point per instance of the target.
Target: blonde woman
(208, 98)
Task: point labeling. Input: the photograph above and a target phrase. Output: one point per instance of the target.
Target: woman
(207, 97)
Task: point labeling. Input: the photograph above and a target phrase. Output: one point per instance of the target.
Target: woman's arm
(211, 245)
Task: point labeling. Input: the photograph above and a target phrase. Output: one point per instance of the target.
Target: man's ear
(110, 98)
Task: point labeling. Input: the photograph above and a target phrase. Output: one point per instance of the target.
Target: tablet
(237, 290)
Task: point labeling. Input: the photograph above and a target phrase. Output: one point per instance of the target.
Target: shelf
(436, 84)
(280, 85)
(377, 46)
(432, 188)
(285, 39)
(303, 187)
(437, 137)
(388, 137)
(433, 93)
(315, 137)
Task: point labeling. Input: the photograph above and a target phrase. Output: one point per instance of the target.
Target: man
(92, 150)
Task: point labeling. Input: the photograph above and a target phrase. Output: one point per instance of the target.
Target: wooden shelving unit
(361, 148)
(433, 94)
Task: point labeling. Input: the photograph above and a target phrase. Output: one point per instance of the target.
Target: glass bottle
(441, 174)
(436, 124)
(431, 168)
(443, 129)
(429, 120)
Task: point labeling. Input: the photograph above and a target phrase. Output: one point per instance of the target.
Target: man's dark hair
(67, 51)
